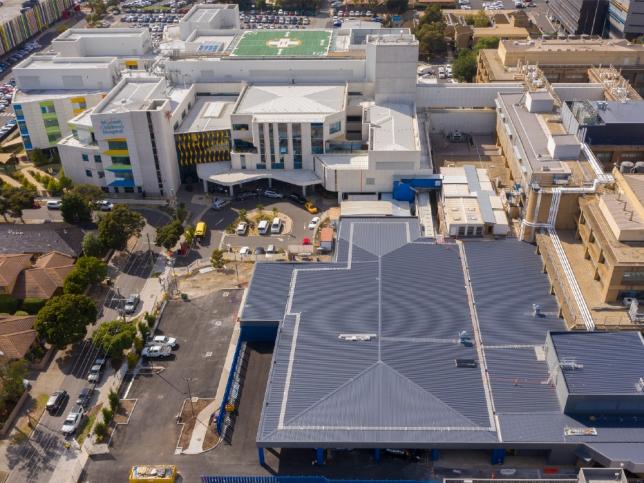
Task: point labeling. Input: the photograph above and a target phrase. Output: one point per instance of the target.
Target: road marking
(219, 222)
(207, 354)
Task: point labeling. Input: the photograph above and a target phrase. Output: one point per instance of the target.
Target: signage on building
(110, 127)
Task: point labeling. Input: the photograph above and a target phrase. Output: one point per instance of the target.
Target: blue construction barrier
(229, 384)
(295, 479)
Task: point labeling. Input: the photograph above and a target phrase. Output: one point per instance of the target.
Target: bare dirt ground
(204, 283)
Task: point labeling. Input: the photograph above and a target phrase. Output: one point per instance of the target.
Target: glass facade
(317, 138)
(297, 145)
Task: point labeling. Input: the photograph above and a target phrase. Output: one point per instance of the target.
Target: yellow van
(200, 231)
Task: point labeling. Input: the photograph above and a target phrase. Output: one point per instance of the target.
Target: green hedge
(8, 304)
(32, 305)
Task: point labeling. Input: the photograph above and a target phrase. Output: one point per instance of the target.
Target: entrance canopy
(222, 173)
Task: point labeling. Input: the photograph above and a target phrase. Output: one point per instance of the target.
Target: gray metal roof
(507, 280)
(41, 238)
(613, 362)
(400, 386)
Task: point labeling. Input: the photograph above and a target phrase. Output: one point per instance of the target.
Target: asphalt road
(203, 327)
(36, 459)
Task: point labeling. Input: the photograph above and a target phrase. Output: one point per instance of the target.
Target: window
(297, 161)
(633, 277)
(53, 137)
(461, 231)
(470, 230)
(101, 174)
(23, 128)
(121, 160)
(88, 173)
(370, 181)
(479, 230)
(85, 157)
(317, 138)
(105, 189)
(117, 145)
(17, 108)
(242, 160)
(51, 122)
(129, 190)
(47, 108)
(240, 127)
(335, 127)
(97, 158)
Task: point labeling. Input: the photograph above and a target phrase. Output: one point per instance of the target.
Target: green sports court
(314, 43)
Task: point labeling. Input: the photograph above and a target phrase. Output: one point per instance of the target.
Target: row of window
(97, 158)
(99, 174)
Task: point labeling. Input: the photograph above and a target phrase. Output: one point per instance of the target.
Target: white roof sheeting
(292, 99)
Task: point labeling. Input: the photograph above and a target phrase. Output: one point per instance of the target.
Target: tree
(4, 207)
(87, 271)
(64, 319)
(88, 192)
(486, 43)
(181, 212)
(114, 337)
(464, 67)
(12, 376)
(168, 235)
(397, 6)
(431, 39)
(116, 227)
(100, 429)
(75, 209)
(189, 234)
(38, 157)
(217, 259)
(243, 215)
(97, 7)
(432, 14)
(18, 199)
(64, 182)
(115, 401)
(478, 20)
(92, 246)
(53, 186)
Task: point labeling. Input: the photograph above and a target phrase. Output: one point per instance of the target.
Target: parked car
(164, 339)
(54, 204)
(246, 195)
(260, 251)
(85, 396)
(96, 371)
(244, 251)
(104, 205)
(242, 228)
(273, 194)
(270, 250)
(297, 198)
(73, 420)
(131, 303)
(55, 401)
(310, 207)
(157, 351)
(313, 224)
(219, 203)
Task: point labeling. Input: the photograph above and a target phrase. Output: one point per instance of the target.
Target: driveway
(203, 328)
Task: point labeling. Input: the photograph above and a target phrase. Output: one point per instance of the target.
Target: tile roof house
(17, 335)
(10, 268)
(46, 279)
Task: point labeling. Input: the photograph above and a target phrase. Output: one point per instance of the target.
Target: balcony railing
(346, 148)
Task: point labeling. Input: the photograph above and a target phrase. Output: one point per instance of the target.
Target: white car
(245, 251)
(313, 224)
(219, 203)
(270, 250)
(54, 204)
(156, 351)
(73, 420)
(131, 303)
(96, 370)
(273, 194)
(164, 339)
(241, 228)
(105, 205)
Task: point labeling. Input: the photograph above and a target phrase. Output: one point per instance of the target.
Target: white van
(276, 226)
(263, 227)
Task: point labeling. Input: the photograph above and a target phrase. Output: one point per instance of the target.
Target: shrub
(32, 305)
(20, 312)
(107, 415)
(100, 429)
(144, 329)
(132, 360)
(138, 345)
(8, 304)
(115, 401)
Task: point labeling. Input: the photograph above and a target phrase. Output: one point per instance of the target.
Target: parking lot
(203, 328)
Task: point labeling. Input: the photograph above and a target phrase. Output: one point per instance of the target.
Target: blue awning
(122, 183)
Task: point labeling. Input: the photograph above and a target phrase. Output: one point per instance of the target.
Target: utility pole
(150, 250)
(192, 407)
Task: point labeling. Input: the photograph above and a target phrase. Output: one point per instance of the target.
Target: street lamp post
(192, 407)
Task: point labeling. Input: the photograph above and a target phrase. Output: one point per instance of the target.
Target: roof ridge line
(335, 391)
